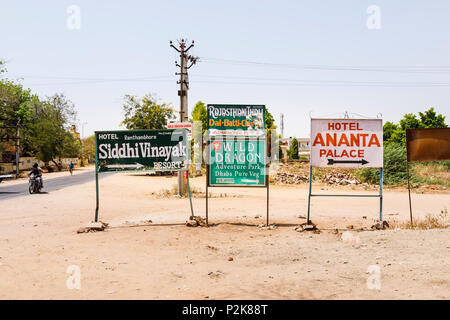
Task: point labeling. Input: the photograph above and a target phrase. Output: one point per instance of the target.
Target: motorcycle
(34, 184)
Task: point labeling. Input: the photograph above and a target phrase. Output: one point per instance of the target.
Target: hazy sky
(300, 56)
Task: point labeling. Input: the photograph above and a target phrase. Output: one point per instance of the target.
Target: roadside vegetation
(431, 221)
(45, 122)
(394, 140)
(394, 173)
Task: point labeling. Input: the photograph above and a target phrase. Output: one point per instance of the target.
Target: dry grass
(195, 193)
(432, 173)
(173, 191)
(431, 221)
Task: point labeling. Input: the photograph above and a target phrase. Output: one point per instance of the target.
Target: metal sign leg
(381, 194)
(207, 204)
(96, 180)
(409, 193)
(309, 194)
(190, 197)
(96, 195)
(267, 209)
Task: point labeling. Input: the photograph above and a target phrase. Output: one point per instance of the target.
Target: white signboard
(347, 143)
(181, 125)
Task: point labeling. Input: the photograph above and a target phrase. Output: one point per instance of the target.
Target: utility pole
(282, 125)
(183, 92)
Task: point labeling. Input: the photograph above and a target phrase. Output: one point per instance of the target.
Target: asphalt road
(21, 189)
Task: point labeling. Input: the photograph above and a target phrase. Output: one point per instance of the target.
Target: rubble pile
(93, 227)
(196, 221)
(340, 179)
(290, 178)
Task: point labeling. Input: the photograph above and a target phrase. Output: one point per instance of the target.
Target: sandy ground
(164, 259)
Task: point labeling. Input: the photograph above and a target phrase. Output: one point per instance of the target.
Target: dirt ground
(149, 253)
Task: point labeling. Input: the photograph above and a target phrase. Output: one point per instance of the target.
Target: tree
(89, 147)
(269, 121)
(17, 103)
(51, 138)
(430, 119)
(393, 133)
(44, 123)
(146, 113)
(388, 129)
(2, 67)
(293, 150)
(199, 113)
(270, 125)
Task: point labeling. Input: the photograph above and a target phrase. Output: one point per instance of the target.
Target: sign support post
(267, 207)
(267, 172)
(189, 191)
(409, 193)
(207, 201)
(96, 182)
(381, 194)
(309, 194)
(266, 178)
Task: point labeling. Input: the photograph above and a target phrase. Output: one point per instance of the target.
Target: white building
(303, 145)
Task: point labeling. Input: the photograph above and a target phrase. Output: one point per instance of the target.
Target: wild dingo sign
(347, 143)
(238, 162)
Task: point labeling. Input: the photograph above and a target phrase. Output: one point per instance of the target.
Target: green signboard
(237, 162)
(236, 120)
(131, 150)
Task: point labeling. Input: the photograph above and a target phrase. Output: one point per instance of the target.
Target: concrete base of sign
(93, 227)
(382, 225)
(196, 222)
(306, 227)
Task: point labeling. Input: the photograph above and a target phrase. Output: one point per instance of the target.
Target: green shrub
(394, 172)
(293, 150)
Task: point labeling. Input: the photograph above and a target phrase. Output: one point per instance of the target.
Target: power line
(90, 80)
(277, 82)
(343, 82)
(333, 84)
(243, 81)
(398, 69)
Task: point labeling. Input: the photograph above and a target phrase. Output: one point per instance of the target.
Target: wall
(26, 163)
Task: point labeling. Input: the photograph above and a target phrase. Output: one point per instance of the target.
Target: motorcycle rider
(37, 173)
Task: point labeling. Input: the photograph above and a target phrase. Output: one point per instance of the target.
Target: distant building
(73, 131)
(303, 146)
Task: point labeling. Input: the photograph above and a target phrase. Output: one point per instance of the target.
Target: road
(21, 189)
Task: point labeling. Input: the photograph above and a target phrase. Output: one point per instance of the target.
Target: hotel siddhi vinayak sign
(350, 143)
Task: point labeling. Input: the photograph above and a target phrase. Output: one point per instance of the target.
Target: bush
(433, 172)
(394, 172)
(293, 150)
